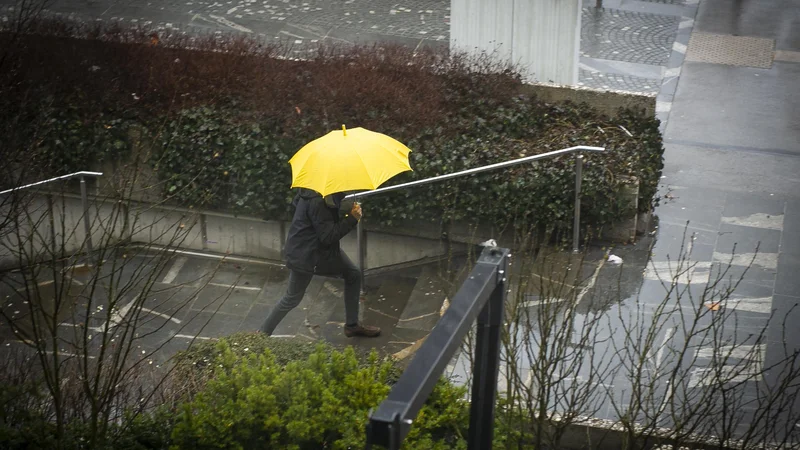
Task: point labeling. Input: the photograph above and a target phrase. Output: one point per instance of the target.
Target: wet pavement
(729, 197)
(626, 45)
(190, 298)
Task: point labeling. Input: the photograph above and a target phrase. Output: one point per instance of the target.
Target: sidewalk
(732, 155)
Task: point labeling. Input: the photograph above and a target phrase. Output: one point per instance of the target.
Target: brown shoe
(361, 330)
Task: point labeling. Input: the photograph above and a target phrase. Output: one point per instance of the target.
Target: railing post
(86, 221)
(576, 227)
(362, 250)
(52, 220)
(487, 365)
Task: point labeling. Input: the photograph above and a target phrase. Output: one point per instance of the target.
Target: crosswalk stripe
(767, 261)
(689, 272)
(761, 305)
(738, 351)
(759, 220)
(751, 369)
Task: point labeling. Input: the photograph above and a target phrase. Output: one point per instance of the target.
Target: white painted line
(236, 286)
(660, 354)
(592, 282)
(691, 272)
(759, 220)
(678, 47)
(331, 288)
(751, 369)
(749, 352)
(228, 23)
(292, 35)
(659, 358)
(767, 261)
(175, 269)
(761, 305)
(188, 336)
(588, 68)
(75, 325)
(219, 257)
(165, 316)
(547, 301)
(673, 72)
(667, 396)
(120, 314)
(382, 313)
(73, 280)
(418, 45)
(686, 23)
(731, 374)
(435, 313)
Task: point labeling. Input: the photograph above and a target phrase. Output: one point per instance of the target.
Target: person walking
(312, 248)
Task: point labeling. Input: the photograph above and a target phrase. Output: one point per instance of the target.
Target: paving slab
(775, 19)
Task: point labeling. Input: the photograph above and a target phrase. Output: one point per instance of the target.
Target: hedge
(248, 390)
(322, 401)
(222, 118)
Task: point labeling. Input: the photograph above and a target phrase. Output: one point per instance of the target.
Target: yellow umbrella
(348, 160)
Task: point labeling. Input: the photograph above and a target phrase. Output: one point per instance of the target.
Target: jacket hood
(307, 193)
(332, 200)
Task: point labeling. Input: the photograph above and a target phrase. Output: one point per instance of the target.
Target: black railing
(482, 295)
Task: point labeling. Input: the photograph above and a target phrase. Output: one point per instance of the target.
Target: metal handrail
(62, 177)
(578, 176)
(84, 200)
(475, 170)
(481, 298)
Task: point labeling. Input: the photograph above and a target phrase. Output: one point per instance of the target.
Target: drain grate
(730, 50)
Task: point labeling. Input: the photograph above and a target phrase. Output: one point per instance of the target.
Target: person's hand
(356, 211)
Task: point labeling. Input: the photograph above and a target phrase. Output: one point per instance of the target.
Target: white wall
(541, 36)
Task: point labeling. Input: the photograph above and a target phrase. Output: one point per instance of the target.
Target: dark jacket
(315, 231)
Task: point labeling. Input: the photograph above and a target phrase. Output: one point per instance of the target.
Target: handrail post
(576, 235)
(487, 364)
(86, 221)
(361, 248)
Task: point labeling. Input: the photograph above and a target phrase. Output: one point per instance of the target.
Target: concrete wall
(57, 226)
(541, 37)
(192, 230)
(244, 236)
(607, 102)
(165, 227)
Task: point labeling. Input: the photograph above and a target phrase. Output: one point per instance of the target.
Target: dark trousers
(340, 267)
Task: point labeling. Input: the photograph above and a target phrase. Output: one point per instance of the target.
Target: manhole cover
(730, 50)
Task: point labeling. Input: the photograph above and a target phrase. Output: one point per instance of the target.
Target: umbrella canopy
(348, 160)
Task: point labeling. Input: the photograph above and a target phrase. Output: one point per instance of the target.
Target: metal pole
(86, 221)
(362, 249)
(487, 365)
(576, 227)
(52, 220)
(63, 177)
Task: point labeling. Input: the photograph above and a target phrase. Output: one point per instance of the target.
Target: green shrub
(321, 402)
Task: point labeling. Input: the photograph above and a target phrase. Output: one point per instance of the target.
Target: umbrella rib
(366, 169)
(391, 151)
